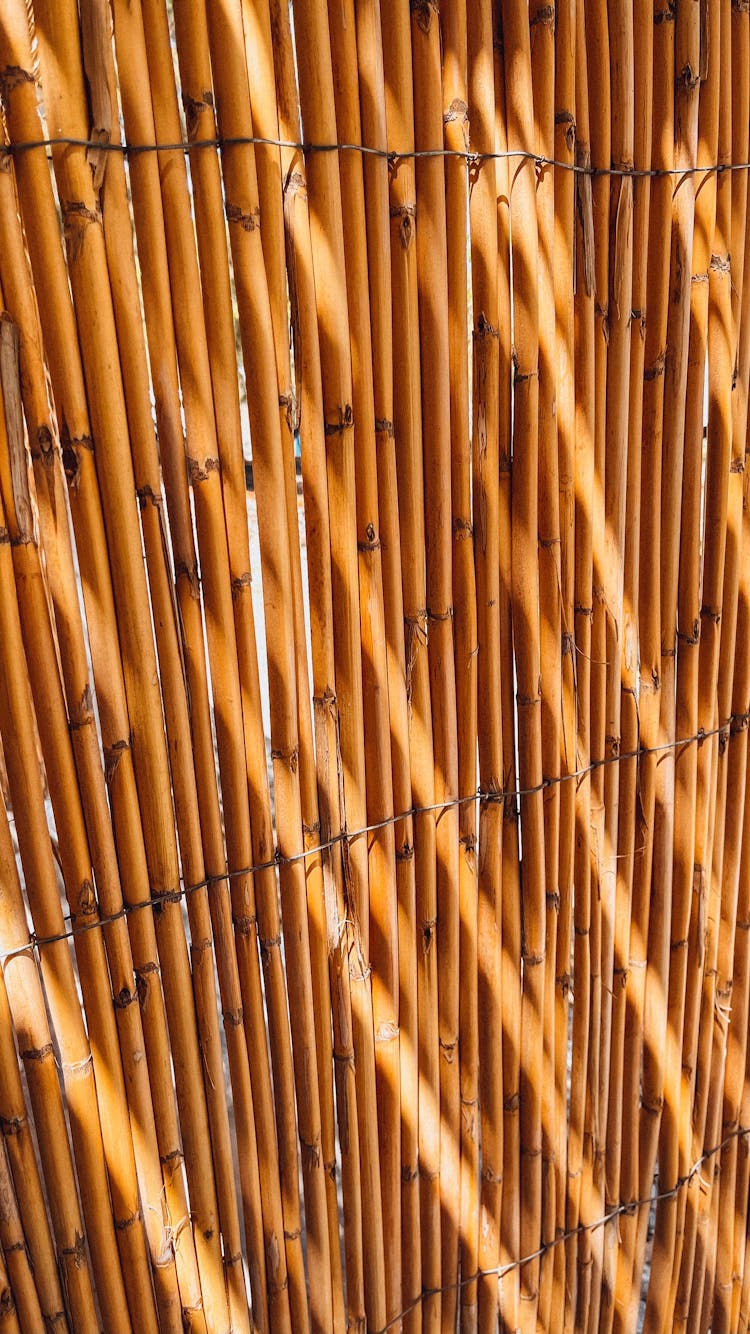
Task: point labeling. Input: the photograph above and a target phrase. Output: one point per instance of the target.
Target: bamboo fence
(374, 843)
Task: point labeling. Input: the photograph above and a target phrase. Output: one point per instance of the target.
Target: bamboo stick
(456, 122)
(583, 594)
(19, 1273)
(485, 459)
(418, 779)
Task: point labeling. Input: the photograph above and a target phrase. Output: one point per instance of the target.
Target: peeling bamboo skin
(405, 1025)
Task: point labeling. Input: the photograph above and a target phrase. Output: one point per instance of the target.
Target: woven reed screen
(374, 894)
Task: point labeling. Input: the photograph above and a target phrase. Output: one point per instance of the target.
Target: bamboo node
(666, 15)
(233, 1018)
(311, 1160)
(484, 329)
(408, 215)
(693, 637)
(244, 924)
(462, 528)
(720, 264)
(428, 934)
(741, 6)
(122, 1224)
(288, 755)
(12, 1125)
(544, 16)
(268, 944)
(71, 459)
(737, 465)
(458, 110)
(86, 906)
(194, 108)
(77, 216)
(512, 1103)
(248, 221)
(124, 998)
(201, 473)
(405, 853)
(4, 537)
(423, 11)
(295, 184)
(738, 723)
(146, 495)
(76, 1252)
(12, 77)
(384, 427)
(688, 79)
(239, 582)
(492, 1177)
(448, 1049)
(372, 541)
(345, 421)
(446, 615)
(657, 368)
(409, 1174)
(37, 1053)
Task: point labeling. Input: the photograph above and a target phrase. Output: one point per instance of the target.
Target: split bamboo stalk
(525, 605)
(75, 857)
(564, 262)
(66, 108)
(312, 433)
(662, 149)
(457, 186)
(50, 499)
(439, 1159)
(511, 926)
(675, 1148)
(380, 939)
(542, 35)
(583, 602)
(656, 1017)
(419, 779)
(628, 822)
(486, 428)
(25, 1234)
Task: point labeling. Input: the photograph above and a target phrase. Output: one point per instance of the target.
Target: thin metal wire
(158, 900)
(633, 1207)
(392, 156)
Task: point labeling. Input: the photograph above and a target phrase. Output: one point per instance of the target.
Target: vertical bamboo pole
(542, 27)
(439, 1173)
(407, 423)
(675, 1143)
(20, 1275)
(662, 150)
(511, 925)
(455, 117)
(564, 267)
(485, 458)
(583, 595)
(525, 600)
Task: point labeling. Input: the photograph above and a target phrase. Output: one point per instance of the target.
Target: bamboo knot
(567, 644)
(310, 1158)
(345, 421)
(249, 222)
(533, 960)
(233, 1018)
(86, 906)
(512, 1103)
(37, 1053)
(295, 184)
(737, 465)
(161, 897)
(423, 11)
(12, 1125)
(567, 119)
(194, 108)
(77, 216)
(268, 944)
(409, 1174)
(613, 742)
(458, 110)
(657, 368)
(688, 79)
(13, 76)
(76, 1252)
(711, 614)
(484, 329)
(544, 16)
(239, 582)
(492, 1177)
(522, 377)
(553, 900)
(666, 15)
(124, 998)
(371, 541)
(4, 537)
(699, 277)
(741, 6)
(146, 495)
(122, 1224)
(463, 528)
(71, 456)
(384, 427)
(738, 723)
(446, 615)
(171, 1159)
(289, 755)
(428, 934)
(407, 214)
(720, 264)
(448, 1049)
(405, 853)
(693, 637)
(201, 472)
(190, 573)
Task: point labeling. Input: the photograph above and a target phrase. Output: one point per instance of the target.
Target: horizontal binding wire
(740, 1133)
(159, 900)
(392, 156)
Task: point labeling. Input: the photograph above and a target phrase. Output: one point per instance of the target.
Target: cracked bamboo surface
(374, 851)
